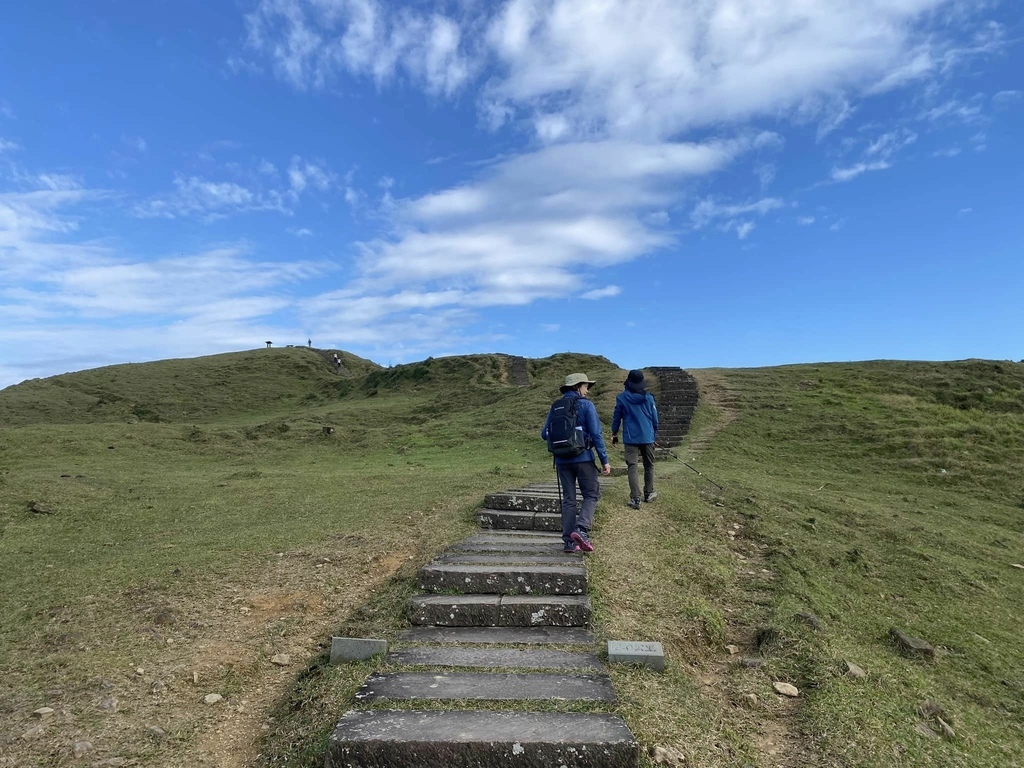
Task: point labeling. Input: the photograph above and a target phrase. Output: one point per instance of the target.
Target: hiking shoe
(570, 547)
(634, 504)
(651, 496)
(583, 540)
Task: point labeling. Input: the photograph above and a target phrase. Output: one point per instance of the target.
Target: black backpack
(566, 440)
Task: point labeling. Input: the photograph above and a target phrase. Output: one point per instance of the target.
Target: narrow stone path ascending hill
(677, 401)
(503, 599)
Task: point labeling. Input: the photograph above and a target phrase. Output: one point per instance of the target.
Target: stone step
(499, 635)
(539, 548)
(523, 502)
(509, 558)
(568, 579)
(428, 739)
(486, 686)
(496, 519)
(495, 658)
(500, 610)
(512, 536)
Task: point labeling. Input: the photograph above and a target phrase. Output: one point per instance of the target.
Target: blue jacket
(586, 417)
(638, 415)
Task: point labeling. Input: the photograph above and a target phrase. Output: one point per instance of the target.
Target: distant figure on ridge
(573, 432)
(309, 343)
(637, 413)
(336, 362)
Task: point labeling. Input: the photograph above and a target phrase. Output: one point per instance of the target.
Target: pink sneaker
(583, 540)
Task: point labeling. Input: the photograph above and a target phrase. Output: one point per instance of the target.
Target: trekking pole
(666, 450)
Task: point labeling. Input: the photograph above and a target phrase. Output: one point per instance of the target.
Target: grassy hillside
(196, 389)
(872, 496)
(890, 494)
(161, 532)
(229, 527)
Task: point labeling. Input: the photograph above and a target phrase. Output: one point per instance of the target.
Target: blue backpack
(566, 439)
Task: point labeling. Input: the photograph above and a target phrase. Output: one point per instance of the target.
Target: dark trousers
(585, 474)
(633, 453)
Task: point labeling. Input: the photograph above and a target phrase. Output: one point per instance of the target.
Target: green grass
(889, 495)
(877, 495)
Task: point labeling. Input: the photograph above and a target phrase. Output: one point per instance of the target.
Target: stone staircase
(520, 375)
(677, 400)
(504, 616)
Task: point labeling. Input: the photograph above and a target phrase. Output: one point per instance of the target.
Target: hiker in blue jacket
(637, 413)
(580, 469)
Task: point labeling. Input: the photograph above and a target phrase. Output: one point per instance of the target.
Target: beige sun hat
(573, 379)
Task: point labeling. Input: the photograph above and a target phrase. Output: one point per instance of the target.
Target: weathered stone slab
(569, 579)
(510, 557)
(496, 537)
(429, 739)
(546, 521)
(533, 548)
(508, 658)
(503, 520)
(627, 652)
(486, 686)
(513, 536)
(355, 648)
(542, 611)
(499, 635)
(455, 610)
(523, 503)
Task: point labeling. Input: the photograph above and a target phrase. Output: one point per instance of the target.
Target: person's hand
(606, 469)
(615, 439)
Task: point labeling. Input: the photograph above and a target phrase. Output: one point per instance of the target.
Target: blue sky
(723, 183)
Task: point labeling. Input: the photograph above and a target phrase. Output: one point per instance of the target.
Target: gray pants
(634, 452)
(585, 473)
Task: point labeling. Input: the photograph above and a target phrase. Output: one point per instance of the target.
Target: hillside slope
(196, 389)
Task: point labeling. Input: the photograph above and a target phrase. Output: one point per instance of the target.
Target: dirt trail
(779, 740)
(148, 706)
(233, 740)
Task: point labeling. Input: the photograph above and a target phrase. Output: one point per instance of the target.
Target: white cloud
(853, 171)
(948, 152)
(953, 110)
(300, 232)
(835, 115)
(194, 195)
(965, 211)
(1006, 99)
(302, 173)
(636, 69)
(8, 146)
(64, 296)
(805, 221)
(135, 143)
(877, 156)
(602, 293)
(744, 229)
(310, 41)
(656, 67)
(209, 199)
(98, 302)
(708, 210)
(888, 144)
(531, 226)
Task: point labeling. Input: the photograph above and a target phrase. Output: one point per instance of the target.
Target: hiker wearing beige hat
(573, 434)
